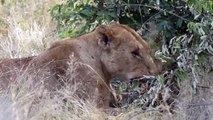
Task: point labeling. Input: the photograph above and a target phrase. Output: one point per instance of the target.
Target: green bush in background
(184, 27)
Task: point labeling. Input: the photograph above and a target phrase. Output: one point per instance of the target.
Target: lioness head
(125, 53)
(110, 51)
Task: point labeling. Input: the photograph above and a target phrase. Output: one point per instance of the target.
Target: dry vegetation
(26, 29)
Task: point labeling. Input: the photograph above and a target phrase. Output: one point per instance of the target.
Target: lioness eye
(136, 53)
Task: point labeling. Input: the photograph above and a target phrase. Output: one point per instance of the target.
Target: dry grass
(26, 29)
(21, 102)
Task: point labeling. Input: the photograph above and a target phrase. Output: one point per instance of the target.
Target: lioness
(109, 51)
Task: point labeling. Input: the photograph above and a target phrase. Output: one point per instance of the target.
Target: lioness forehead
(129, 30)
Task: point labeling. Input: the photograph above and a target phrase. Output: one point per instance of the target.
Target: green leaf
(161, 79)
(182, 75)
(135, 85)
(123, 86)
(179, 23)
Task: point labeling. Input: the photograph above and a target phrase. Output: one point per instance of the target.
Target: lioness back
(92, 60)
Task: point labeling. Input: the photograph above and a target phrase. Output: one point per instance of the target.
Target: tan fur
(9, 69)
(101, 55)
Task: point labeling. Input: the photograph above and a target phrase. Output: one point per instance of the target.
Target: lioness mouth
(150, 92)
(122, 85)
(131, 90)
(143, 79)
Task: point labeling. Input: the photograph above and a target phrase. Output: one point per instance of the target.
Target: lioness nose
(155, 69)
(153, 72)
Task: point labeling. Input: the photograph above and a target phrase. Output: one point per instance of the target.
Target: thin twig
(150, 18)
(153, 7)
(200, 104)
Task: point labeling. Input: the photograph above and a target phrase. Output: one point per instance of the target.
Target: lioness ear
(107, 40)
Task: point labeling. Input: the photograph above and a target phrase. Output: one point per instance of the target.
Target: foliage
(184, 27)
(188, 49)
(76, 17)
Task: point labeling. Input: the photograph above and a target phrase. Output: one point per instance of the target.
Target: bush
(184, 29)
